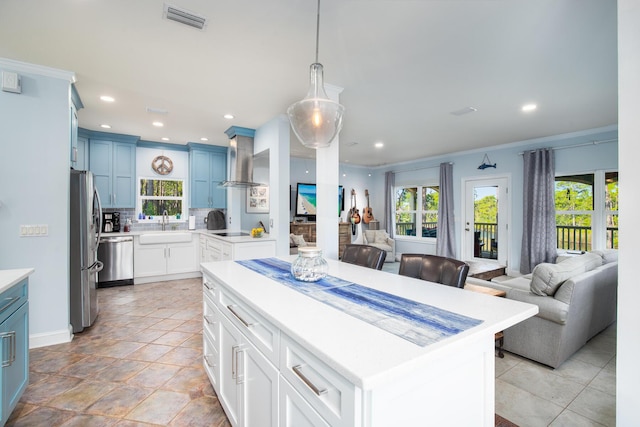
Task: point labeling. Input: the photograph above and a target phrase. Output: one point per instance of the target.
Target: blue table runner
(421, 324)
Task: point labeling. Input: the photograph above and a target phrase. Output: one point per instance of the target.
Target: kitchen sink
(165, 237)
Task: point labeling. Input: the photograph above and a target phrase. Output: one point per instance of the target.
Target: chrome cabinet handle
(319, 391)
(11, 336)
(209, 320)
(9, 303)
(234, 362)
(206, 285)
(207, 359)
(235, 313)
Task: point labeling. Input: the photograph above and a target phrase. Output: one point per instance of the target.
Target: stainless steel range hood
(240, 158)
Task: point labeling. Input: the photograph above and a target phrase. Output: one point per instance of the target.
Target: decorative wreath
(162, 165)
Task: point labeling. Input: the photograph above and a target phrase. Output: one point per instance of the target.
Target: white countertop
(365, 354)
(9, 278)
(214, 233)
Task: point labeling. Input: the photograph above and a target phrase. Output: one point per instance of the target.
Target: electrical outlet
(40, 230)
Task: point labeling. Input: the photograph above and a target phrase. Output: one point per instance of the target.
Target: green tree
(486, 210)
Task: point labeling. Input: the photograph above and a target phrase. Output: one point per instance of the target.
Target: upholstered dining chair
(364, 255)
(433, 268)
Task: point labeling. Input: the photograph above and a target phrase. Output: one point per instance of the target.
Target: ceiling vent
(185, 17)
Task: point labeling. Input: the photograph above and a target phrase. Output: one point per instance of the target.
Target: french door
(486, 220)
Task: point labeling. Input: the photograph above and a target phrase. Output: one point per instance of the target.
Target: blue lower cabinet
(14, 343)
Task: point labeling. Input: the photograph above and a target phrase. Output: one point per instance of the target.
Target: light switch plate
(11, 82)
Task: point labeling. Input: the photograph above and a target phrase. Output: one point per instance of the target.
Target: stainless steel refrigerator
(84, 230)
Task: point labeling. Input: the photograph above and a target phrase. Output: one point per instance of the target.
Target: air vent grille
(185, 17)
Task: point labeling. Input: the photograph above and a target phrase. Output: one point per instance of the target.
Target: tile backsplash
(183, 224)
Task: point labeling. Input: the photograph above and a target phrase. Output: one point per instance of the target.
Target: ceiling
(405, 66)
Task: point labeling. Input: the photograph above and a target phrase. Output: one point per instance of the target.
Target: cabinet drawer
(211, 359)
(210, 287)
(323, 388)
(211, 320)
(263, 334)
(295, 411)
(12, 299)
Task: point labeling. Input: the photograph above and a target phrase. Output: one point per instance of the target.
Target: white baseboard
(50, 338)
(165, 277)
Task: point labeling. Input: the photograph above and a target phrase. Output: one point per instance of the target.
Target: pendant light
(316, 120)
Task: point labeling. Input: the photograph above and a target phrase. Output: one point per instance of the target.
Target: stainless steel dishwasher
(116, 253)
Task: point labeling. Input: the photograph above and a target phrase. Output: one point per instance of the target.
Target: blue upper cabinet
(207, 170)
(113, 163)
(78, 143)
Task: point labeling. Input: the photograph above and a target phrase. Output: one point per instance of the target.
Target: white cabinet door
(259, 385)
(182, 257)
(295, 411)
(248, 382)
(229, 390)
(149, 260)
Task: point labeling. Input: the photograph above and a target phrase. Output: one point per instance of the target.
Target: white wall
(34, 189)
(274, 136)
(509, 162)
(628, 369)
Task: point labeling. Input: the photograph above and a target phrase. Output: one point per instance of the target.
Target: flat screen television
(306, 201)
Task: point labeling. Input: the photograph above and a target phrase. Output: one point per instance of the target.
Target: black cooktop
(232, 234)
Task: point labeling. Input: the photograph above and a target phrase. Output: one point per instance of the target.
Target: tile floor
(581, 392)
(140, 365)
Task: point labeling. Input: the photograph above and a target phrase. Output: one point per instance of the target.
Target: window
(417, 209)
(587, 211)
(157, 195)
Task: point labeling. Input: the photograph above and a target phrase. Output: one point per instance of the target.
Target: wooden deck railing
(568, 237)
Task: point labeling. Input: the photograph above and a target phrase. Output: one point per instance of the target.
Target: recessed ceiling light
(164, 138)
(228, 116)
(379, 144)
(529, 107)
(204, 139)
(158, 124)
(107, 98)
(105, 126)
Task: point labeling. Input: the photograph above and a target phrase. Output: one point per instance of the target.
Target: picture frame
(258, 199)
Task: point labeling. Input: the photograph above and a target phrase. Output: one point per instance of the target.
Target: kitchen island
(298, 355)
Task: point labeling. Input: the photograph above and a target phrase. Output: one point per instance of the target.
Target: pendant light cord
(318, 31)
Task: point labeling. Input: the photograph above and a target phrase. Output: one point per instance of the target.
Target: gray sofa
(576, 298)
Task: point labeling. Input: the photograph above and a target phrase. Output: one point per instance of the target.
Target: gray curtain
(539, 222)
(389, 202)
(445, 242)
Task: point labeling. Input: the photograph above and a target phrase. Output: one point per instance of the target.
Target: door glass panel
(485, 218)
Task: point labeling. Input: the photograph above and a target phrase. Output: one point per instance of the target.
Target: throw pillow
(381, 237)
(547, 278)
(298, 240)
(369, 236)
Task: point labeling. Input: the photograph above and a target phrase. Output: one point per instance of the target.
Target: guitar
(367, 213)
(354, 214)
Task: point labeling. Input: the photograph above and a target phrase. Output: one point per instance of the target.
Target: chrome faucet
(165, 219)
